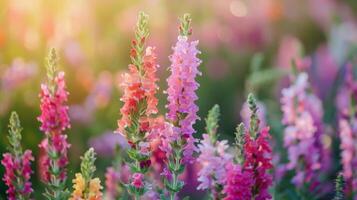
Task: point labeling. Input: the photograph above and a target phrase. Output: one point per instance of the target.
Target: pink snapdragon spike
(249, 177)
(182, 86)
(54, 111)
(258, 162)
(182, 110)
(239, 183)
(54, 121)
(302, 116)
(347, 106)
(257, 154)
(17, 164)
(213, 157)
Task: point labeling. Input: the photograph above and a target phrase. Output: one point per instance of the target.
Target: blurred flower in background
(93, 39)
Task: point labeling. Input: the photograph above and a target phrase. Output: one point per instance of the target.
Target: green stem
(137, 197)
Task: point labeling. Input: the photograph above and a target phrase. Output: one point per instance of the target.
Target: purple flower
(302, 113)
(181, 91)
(348, 129)
(17, 74)
(213, 159)
(105, 143)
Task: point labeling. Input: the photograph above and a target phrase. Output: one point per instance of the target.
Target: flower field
(167, 100)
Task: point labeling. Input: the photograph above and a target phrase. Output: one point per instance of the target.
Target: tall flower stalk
(17, 164)
(54, 121)
(213, 157)
(139, 105)
(85, 186)
(302, 114)
(249, 178)
(182, 110)
(347, 106)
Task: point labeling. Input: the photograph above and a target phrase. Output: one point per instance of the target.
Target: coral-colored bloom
(139, 87)
(239, 183)
(181, 90)
(17, 168)
(54, 111)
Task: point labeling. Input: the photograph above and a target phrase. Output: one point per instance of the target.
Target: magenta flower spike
(54, 121)
(248, 177)
(17, 164)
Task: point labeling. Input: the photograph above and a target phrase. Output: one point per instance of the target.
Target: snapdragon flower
(140, 103)
(213, 157)
(17, 164)
(181, 90)
(239, 183)
(249, 178)
(182, 110)
(346, 104)
(257, 154)
(85, 187)
(54, 120)
(302, 114)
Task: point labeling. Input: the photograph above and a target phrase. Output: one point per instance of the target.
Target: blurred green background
(246, 47)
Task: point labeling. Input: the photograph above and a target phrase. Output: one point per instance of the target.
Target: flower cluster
(213, 157)
(140, 104)
(17, 164)
(181, 89)
(239, 183)
(182, 110)
(348, 129)
(54, 111)
(54, 120)
(255, 157)
(302, 113)
(258, 161)
(139, 84)
(85, 187)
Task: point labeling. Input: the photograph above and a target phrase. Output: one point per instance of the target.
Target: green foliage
(15, 135)
(51, 66)
(87, 166)
(254, 121)
(185, 26)
(138, 45)
(239, 143)
(212, 122)
(339, 188)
